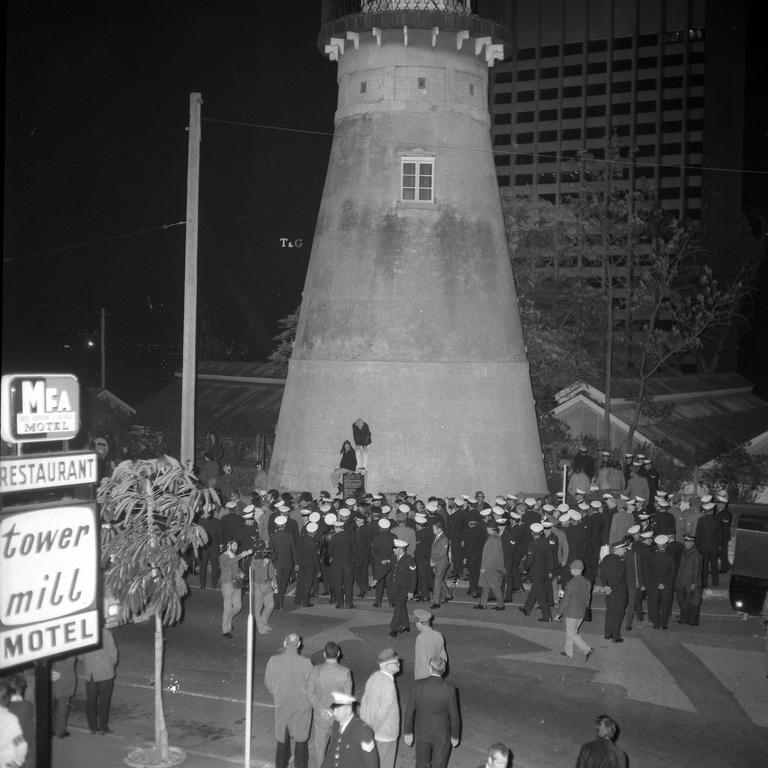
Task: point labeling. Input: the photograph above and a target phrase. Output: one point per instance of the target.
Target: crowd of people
(641, 551)
(318, 703)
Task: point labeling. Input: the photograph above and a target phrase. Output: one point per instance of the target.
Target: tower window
(417, 179)
(471, 89)
(363, 86)
(421, 83)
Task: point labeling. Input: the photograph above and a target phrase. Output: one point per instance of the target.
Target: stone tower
(409, 316)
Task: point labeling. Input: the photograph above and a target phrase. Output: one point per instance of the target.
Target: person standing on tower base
(361, 434)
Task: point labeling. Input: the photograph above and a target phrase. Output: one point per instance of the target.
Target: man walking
(429, 644)
(352, 744)
(323, 680)
(432, 718)
(539, 563)
(613, 574)
(403, 585)
(492, 570)
(286, 679)
(379, 707)
(572, 608)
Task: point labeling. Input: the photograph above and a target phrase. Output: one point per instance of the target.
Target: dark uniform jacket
(283, 546)
(233, 527)
(433, 711)
(341, 549)
(308, 553)
(708, 534)
(404, 574)
(613, 574)
(661, 570)
(424, 538)
(354, 748)
(539, 560)
(212, 528)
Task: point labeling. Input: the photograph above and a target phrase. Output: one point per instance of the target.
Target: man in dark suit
(341, 551)
(403, 586)
(286, 558)
(432, 718)
(352, 744)
(613, 574)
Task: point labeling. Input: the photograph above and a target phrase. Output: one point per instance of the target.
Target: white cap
(499, 511)
(512, 496)
(315, 517)
(607, 495)
(283, 508)
(404, 508)
(248, 509)
(399, 543)
(485, 512)
(281, 520)
(646, 534)
(501, 500)
(595, 504)
(514, 515)
(575, 514)
(547, 524)
(594, 488)
(386, 509)
(561, 508)
(325, 508)
(342, 698)
(344, 513)
(432, 506)
(706, 499)
(662, 503)
(661, 539)
(584, 507)
(530, 502)
(231, 504)
(536, 527)
(548, 508)
(564, 518)
(311, 527)
(722, 498)
(304, 511)
(420, 519)
(633, 529)
(329, 519)
(377, 497)
(339, 523)
(639, 499)
(709, 505)
(384, 523)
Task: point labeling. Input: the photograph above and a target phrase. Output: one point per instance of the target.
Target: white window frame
(415, 181)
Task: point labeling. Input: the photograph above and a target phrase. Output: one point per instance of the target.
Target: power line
(548, 155)
(82, 244)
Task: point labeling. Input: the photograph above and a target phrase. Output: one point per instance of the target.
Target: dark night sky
(97, 101)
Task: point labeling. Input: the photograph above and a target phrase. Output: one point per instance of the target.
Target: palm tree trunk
(161, 734)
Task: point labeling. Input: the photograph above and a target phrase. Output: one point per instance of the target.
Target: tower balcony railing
(488, 9)
(479, 17)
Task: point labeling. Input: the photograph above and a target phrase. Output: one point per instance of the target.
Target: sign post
(50, 581)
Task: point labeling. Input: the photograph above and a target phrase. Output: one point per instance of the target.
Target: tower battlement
(343, 22)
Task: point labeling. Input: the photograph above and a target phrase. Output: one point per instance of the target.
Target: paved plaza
(693, 696)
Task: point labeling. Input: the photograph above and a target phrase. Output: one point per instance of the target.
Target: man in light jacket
(379, 707)
(572, 608)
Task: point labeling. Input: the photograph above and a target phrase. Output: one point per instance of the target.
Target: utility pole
(189, 352)
(103, 348)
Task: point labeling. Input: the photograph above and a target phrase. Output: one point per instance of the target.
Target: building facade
(663, 80)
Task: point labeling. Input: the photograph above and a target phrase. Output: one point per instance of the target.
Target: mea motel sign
(39, 407)
(48, 582)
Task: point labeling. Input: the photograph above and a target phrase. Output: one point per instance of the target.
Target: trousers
(233, 604)
(98, 694)
(572, 637)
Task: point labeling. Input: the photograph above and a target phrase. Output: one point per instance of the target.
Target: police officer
(352, 743)
(403, 586)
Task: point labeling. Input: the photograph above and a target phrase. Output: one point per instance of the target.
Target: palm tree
(148, 510)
